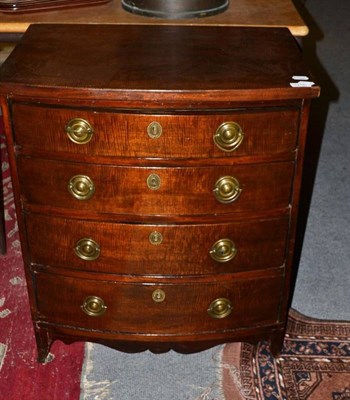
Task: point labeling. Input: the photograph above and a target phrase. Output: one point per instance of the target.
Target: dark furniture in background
(272, 13)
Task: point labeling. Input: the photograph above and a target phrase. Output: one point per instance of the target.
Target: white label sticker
(300, 78)
(302, 84)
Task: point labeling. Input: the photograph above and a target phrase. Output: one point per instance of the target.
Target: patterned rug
(21, 377)
(314, 364)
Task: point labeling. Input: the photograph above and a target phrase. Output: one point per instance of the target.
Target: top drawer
(249, 133)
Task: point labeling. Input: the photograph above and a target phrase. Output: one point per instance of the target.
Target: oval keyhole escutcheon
(153, 182)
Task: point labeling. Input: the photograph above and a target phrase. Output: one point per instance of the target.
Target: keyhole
(154, 130)
(158, 296)
(153, 182)
(155, 238)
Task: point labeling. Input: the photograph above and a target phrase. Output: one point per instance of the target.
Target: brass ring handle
(220, 308)
(223, 250)
(81, 187)
(93, 306)
(87, 249)
(227, 189)
(229, 136)
(154, 130)
(158, 296)
(79, 130)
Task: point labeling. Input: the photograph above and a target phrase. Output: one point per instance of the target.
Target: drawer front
(156, 191)
(131, 135)
(157, 308)
(157, 249)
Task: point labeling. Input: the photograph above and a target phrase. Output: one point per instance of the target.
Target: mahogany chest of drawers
(156, 173)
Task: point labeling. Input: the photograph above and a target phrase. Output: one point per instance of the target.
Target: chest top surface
(166, 61)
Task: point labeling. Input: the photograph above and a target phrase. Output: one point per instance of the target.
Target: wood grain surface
(272, 13)
(189, 79)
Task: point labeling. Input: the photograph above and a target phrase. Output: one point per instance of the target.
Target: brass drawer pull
(227, 189)
(155, 238)
(223, 250)
(153, 182)
(220, 308)
(154, 130)
(81, 187)
(87, 249)
(79, 131)
(228, 136)
(93, 306)
(158, 296)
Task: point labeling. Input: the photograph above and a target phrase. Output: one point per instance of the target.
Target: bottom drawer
(158, 308)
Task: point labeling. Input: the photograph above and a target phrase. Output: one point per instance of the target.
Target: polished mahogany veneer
(157, 175)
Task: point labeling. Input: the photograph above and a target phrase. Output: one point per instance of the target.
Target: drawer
(147, 249)
(181, 136)
(156, 191)
(152, 308)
